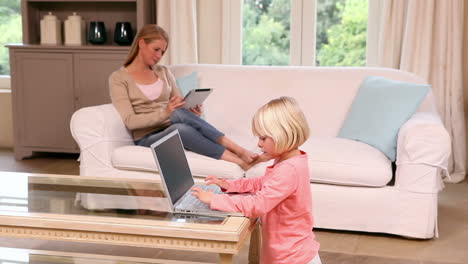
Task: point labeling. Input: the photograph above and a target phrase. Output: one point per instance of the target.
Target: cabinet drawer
(43, 99)
(92, 73)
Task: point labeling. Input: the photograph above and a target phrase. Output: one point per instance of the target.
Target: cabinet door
(92, 77)
(44, 99)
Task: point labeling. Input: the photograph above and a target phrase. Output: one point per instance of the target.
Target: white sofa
(352, 183)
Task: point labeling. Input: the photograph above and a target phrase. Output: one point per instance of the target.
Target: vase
(97, 32)
(123, 34)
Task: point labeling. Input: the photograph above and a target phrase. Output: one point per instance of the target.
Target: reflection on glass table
(58, 196)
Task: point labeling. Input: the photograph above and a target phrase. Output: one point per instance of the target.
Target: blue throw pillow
(380, 108)
(187, 83)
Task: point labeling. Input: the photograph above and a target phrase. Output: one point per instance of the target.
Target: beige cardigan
(140, 114)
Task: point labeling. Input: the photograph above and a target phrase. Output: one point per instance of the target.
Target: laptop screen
(173, 165)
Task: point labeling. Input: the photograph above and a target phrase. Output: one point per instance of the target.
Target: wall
(465, 68)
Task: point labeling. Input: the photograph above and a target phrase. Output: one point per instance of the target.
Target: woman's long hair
(148, 33)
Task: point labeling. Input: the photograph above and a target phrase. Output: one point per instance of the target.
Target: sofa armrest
(98, 131)
(422, 153)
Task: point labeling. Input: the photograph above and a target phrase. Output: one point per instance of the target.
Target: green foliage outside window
(340, 40)
(10, 28)
(266, 32)
(347, 40)
(328, 15)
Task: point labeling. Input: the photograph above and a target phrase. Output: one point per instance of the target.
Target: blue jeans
(197, 135)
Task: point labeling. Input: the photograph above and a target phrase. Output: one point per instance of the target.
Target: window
(10, 28)
(305, 32)
(266, 33)
(341, 32)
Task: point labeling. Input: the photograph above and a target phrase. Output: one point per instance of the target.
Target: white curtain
(220, 31)
(425, 37)
(179, 19)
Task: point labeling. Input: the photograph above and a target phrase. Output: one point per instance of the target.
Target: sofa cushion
(187, 83)
(141, 158)
(343, 162)
(379, 110)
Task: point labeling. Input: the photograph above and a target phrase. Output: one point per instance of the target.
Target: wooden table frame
(225, 239)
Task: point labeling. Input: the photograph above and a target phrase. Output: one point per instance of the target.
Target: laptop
(177, 178)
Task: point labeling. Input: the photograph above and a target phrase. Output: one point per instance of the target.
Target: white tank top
(152, 91)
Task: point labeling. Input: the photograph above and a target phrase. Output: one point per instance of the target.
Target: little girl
(281, 197)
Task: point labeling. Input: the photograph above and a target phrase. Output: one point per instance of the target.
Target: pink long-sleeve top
(282, 198)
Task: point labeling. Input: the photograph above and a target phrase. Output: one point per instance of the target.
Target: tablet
(196, 96)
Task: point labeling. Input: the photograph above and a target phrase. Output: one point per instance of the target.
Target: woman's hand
(174, 103)
(204, 196)
(220, 182)
(197, 110)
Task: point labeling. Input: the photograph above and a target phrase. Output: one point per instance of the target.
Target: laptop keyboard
(192, 203)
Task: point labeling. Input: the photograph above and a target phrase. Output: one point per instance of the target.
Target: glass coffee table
(31, 256)
(44, 206)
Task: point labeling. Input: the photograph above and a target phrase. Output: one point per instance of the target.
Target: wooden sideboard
(51, 82)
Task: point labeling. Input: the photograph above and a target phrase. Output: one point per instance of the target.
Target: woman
(148, 100)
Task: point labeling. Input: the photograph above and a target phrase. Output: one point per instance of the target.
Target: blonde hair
(283, 121)
(148, 33)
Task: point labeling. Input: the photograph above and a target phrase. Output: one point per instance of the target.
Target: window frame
(5, 82)
(303, 33)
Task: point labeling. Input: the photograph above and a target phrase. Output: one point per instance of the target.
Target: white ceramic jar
(51, 33)
(74, 30)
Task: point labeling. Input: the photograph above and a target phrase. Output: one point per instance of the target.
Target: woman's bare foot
(264, 157)
(234, 158)
(258, 159)
(246, 166)
(242, 153)
(248, 156)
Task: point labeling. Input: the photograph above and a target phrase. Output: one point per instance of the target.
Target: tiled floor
(336, 246)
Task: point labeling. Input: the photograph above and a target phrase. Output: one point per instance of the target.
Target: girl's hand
(197, 110)
(220, 182)
(174, 103)
(204, 196)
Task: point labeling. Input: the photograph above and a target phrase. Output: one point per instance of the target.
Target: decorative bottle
(97, 32)
(51, 33)
(74, 30)
(123, 34)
